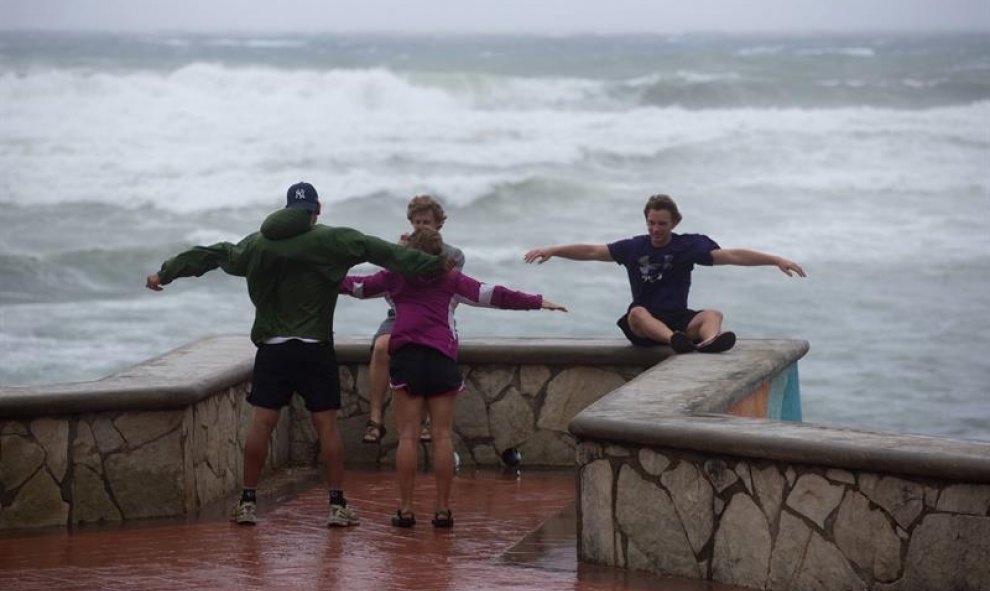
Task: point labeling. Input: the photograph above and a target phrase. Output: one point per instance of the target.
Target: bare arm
(575, 252)
(548, 305)
(752, 258)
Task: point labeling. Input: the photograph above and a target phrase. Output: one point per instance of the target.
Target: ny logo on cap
(301, 193)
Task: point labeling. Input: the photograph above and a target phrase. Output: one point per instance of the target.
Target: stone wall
(670, 483)
(124, 465)
(770, 525)
(527, 407)
(166, 437)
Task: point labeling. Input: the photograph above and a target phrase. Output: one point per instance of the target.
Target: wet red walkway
(497, 543)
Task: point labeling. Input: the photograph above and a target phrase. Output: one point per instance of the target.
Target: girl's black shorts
(424, 371)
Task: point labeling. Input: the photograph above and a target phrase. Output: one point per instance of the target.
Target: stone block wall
(670, 482)
(527, 407)
(166, 437)
(102, 467)
(780, 525)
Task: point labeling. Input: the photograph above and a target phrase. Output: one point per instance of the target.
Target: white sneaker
(341, 516)
(245, 513)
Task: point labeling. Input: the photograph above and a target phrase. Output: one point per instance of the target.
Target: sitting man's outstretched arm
(752, 258)
(575, 252)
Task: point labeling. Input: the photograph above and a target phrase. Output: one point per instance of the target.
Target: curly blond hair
(424, 203)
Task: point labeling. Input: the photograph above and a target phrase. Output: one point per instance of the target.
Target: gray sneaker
(341, 516)
(245, 513)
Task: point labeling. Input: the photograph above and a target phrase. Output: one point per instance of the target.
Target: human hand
(548, 305)
(790, 267)
(540, 255)
(403, 239)
(153, 282)
(449, 263)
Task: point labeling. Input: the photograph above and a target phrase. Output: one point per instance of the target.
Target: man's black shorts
(294, 366)
(676, 320)
(424, 371)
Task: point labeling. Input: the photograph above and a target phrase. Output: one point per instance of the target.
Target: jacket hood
(286, 223)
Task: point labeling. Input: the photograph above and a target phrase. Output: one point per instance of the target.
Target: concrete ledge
(187, 375)
(681, 472)
(177, 379)
(676, 404)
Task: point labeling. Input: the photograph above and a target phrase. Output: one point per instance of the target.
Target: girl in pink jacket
(423, 368)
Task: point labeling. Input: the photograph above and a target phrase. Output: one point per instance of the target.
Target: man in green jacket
(294, 268)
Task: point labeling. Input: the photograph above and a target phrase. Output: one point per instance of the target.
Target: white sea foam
(197, 138)
(844, 51)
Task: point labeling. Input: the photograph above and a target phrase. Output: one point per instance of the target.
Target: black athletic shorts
(674, 319)
(424, 371)
(294, 366)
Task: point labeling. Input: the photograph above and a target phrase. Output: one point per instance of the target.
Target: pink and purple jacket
(424, 308)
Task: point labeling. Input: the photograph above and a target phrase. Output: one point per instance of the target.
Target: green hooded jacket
(294, 270)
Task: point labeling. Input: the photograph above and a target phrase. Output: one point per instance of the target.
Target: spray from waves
(76, 276)
(699, 91)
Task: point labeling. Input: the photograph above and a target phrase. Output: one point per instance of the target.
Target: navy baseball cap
(302, 196)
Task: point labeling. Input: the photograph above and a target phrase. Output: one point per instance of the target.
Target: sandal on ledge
(401, 519)
(681, 343)
(373, 432)
(443, 518)
(722, 342)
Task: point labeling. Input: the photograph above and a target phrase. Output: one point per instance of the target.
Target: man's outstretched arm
(195, 262)
(752, 258)
(575, 252)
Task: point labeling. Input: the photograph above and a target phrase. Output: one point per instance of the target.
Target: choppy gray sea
(863, 157)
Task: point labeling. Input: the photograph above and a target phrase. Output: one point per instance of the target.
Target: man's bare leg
(705, 326)
(644, 325)
(331, 448)
(377, 384)
(256, 445)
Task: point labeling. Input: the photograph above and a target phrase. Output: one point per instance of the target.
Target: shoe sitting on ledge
(721, 343)
(681, 343)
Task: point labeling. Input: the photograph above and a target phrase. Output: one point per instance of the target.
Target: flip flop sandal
(401, 519)
(443, 518)
(681, 343)
(373, 432)
(722, 342)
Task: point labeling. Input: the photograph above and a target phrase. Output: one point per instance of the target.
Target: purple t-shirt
(660, 278)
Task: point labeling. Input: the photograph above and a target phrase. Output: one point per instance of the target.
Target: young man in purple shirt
(659, 266)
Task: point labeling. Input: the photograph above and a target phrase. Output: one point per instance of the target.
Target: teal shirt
(294, 269)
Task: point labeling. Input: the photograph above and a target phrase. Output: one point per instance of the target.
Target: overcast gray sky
(469, 16)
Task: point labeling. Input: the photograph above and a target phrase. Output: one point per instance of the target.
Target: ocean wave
(727, 91)
(75, 276)
(842, 51)
(244, 91)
